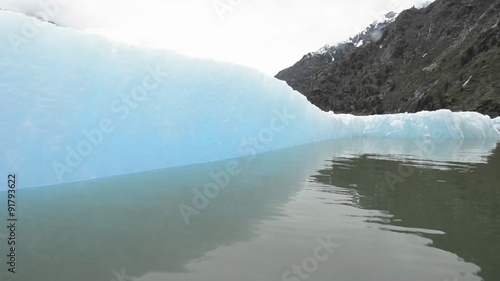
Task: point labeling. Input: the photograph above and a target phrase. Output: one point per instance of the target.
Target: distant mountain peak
(373, 32)
(444, 54)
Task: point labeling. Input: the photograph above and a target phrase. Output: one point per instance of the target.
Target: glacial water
(76, 106)
(355, 209)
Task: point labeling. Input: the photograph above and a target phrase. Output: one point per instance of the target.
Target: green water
(340, 210)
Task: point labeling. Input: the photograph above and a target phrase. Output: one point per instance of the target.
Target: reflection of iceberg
(263, 222)
(133, 221)
(435, 153)
(75, 107)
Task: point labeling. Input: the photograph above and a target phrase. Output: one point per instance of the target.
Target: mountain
(446, 55)
(299, 75)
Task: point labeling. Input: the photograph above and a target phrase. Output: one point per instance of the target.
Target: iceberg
(496, 122)
(76, 106)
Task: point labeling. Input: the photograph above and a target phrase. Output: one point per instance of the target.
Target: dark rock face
(446, 55)
(300, 74)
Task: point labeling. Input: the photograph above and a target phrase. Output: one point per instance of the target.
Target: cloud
(266, 34)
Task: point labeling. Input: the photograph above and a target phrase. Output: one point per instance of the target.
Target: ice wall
(76, 106)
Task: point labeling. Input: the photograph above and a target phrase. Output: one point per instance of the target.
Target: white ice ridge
(496, 121)
(76, 106)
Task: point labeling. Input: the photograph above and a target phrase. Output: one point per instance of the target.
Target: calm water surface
(340, 210)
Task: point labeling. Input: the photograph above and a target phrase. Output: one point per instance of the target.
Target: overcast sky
(265, 34)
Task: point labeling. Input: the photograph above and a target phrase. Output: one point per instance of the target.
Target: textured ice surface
(76, 106)
(496, 122)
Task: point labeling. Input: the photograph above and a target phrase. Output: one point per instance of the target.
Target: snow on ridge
(360, 39)
(363, 37)
(423, 5)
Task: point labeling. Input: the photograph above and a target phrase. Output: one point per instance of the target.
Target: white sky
(269, 35)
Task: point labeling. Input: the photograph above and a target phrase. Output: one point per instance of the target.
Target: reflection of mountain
(462, 200)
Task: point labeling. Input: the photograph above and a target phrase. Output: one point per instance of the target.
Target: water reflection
(458, 196)
(270, 217)
(84, 231)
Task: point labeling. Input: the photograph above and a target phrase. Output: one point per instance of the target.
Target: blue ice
(76, 106)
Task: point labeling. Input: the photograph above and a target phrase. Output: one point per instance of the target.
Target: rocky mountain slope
(446, 55)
